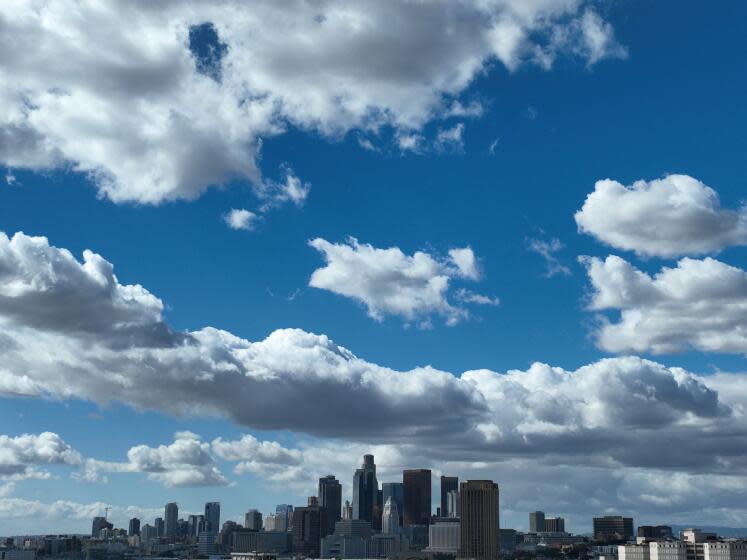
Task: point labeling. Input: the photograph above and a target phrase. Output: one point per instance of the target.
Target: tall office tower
(98, 524)
(452, 504)
(160, 526)
(416, 489)
(478, 520)
(613, 528)
(554, 525)
(195, 524)
(134, 528)
(448, 484)
(212, 517)
(365, 489)
(330, 498)
(171, 517)
(253, 520)
(537, 522)
(394, 491)
(307, 529)
(148, 532)
(390, 517)
(284, 517)
(347, 511)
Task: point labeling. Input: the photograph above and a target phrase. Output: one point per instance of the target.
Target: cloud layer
(669, 217)
(389, 282)
(699, 304)
(19, 456)
(181, 98)
(606, 413)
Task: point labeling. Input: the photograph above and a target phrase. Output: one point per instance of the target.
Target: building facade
(416, 490)
(330, 498)
(478, 519)
(443, 537)
(212, 517)
(537, 522)
(554, 525)
(613, 528)
(448, 484)
(253, 520)
(365, 490)
(390, 518)
(171, 520)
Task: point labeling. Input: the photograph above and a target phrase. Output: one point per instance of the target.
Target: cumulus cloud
(607, 413)
(187, 461)
(668, 217)
(165, 118)
(20, 455)
(239, 218)
(389, 282)
(451, 138)
(699, 304)
(547, 249)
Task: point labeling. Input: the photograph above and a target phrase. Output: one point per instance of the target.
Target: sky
(243, 246)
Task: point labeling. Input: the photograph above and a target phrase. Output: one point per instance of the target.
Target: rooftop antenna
(106, 513)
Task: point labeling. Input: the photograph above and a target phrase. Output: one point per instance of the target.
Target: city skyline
(242, 246)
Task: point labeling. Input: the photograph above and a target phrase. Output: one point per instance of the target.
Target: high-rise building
(478, 520)
(537, 522)
(195, 525)
(212, 517)
(308, 523)
(416, 490)
(148, 532)
(160, 526)
(98, 524)
(390, 517)
(171, 519)
(613, 528)
(347, 511)
(365, 490)
(443, 537)
(253, 520)
(554, 525)
(330, 498)
(654, 532)
(448, 484)
(452, 504)
(283, 517)
(134, 528)
(395, 492)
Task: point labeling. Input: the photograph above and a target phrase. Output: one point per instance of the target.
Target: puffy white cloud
(607, 413)
(187, 461)
(699, 304)
(547, 250)
(180, 99)
(21, 454)
(389, 282)
(676, 215)
(240, 218)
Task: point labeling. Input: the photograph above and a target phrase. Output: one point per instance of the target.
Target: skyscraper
(478, 520)
(448, 484)
(212, 517)
(347, 511)
(394, 491)
(390, 517)
(160, 526)
(171, 518)
(134, 528)
(416, 486)
(537, 522)
(452, 504)
(308, 523)
(98, 524)
(554, 525)
(330, 498)
(253, 520)
(195, 524)
(283, 517)
(365, 490)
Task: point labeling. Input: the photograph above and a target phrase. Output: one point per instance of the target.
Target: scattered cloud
(469, 296)
(472, 109)
(699, 304)
(291, 189)
(493, 146)
(547, 249)
(21, 455)
(192, 104)
(451, 138)
(240, 219)
(410, 142)
(669, 217)
(389, 282)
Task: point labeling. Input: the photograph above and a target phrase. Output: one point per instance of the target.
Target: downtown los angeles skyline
(244, 246)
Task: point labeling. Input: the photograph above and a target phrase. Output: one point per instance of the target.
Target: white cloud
(469, 296)
(21, 454)
(150, 119)
(240, 219)
(699, 304)
(410, 142)
(389, 282)
(187, 461)
(290, 189)
(606, 414)
(451, 138)
(547, 250)
(676, 215)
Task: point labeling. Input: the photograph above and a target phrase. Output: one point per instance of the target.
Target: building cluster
(384, 520)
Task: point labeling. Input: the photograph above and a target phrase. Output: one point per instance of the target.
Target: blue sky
(665, 97)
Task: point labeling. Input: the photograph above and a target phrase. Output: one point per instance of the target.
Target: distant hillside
(729, 532)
